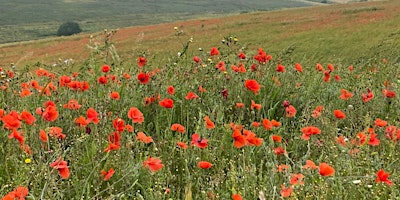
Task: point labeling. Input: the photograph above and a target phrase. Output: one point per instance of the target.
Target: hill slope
(324, 33)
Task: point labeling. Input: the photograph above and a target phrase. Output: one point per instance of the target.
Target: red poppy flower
(310, 165)
(72, 104)
(178, 128)
(102, 80)
(236, 197)
(144, 138)
(129, 128)
(105, 68)
(56, 132)
(253, 86)
(153, 164)
(43, 135)
(279, 151)
(167, 103)
(196, 59)
(319, 67)
(339, 114)
(19, 193)
(280, 68)
(367, 97)
(383, 177)
(141, 61)
(262, 57)
(143, 78)
(62, 167)
(209, 123)
(290, 111)
(276, 138)
(119, 124)
(114, 95)
(254, 105)
(92, 116)
(114, 139)
(214, 51)
(388, 93)
(171, 90)
(286, 191)
(239, 140)
(345, 94)
(204, 165)
(182, 145)
(373, 140)
(298, 67)
(326, 170)
(296, 179)
(251, 138)
(107, 174)
(380, 123)
(18, 136)
(199, 142)
(221, 66)
(317, 111)
(201, 89)
(191, 95)
(135, 115)
(50, 114)
(327, 75)
(81, 121)
(308, 131)
(11, 121)
(239, 105)
(242, 55)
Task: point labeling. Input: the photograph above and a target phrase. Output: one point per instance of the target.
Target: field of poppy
(222, 122)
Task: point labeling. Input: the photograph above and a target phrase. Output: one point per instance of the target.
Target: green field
(29, 20)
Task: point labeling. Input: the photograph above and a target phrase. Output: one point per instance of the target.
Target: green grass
(26, 20)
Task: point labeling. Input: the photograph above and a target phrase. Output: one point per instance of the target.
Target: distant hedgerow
(69, 28)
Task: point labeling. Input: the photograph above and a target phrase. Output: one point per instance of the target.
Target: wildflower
(102, 80)
(171, 90)
(280, 68)
(373, 140)
(276, 138)
(196, 59)
(221, 66)
(310, 165)
(119, 124)
(341, 140)
(114, 95)
(105, 68)
(114, 139)
(209, 123)
(92, 116)
(50, 113)
(201, 89)
(267, 124)
(144, 138)
(251, 138)
(62, 167)
(43, 135)
(317, 111)
(236, 197)
(380, 123)
(18, 193)
(239, 140)
(72, 105)
(127, 76)
(256, 124)
(319, 67)
(242, 56)
(135, 115)
(262, 56)
(239, 105)
(107, 174)
(182, 145)
(11, 121)
(345, 94)
(255, 105)
(191, 95)
(388, 93)
(253, 86)
(81, 121)
(204, 165)
(331, 68)
(153, 164)
(214, 51)
(282, 168)
(279, 151)
(290, 111)
(143, 78)
(326, 170)
(327, 75)
(298, 67)
(224, 93)
(18, 136)
(141, 62)
(167, 103)
(367, 97)
(337, 77)
(309, 131)
(56, 132)
(129, 128)
(339, 114)
(199, 142)
(383, 177)
(286, 191)
(178, 128)
(275, 123)
(296, 179)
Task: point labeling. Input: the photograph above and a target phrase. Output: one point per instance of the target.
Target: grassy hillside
(28, 20)
(326, 33)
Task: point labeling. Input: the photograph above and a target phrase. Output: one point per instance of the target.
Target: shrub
(69, 28)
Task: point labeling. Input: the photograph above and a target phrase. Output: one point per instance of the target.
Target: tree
(68, 28)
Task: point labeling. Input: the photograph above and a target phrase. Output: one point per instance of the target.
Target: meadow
(301, 114)
(25, 20)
